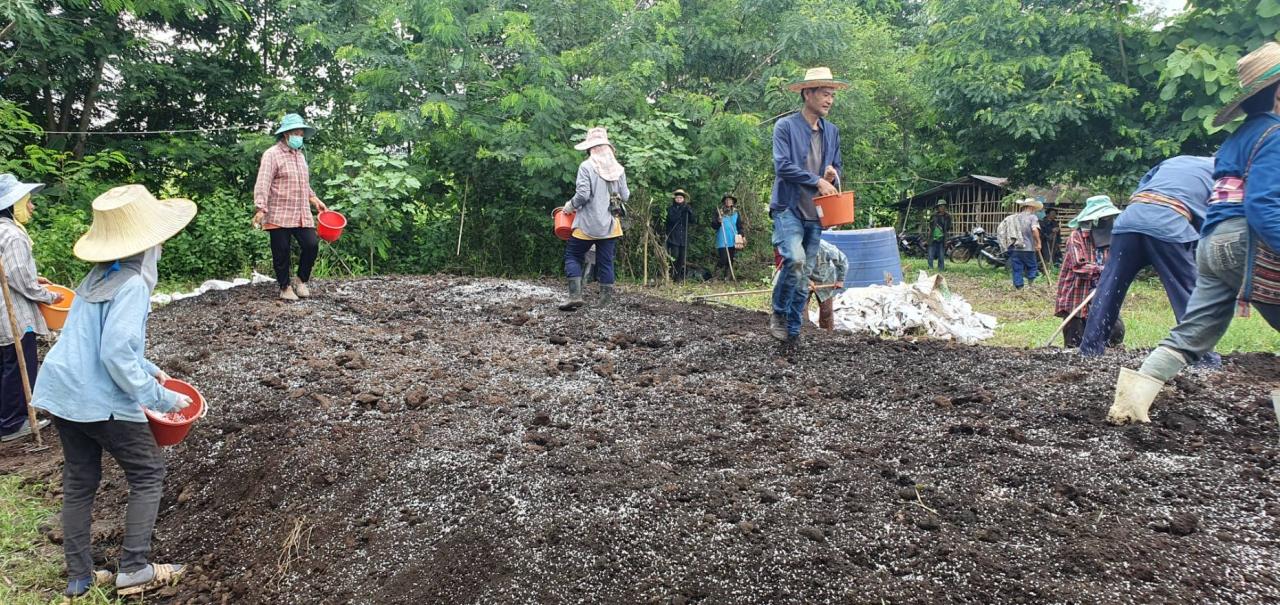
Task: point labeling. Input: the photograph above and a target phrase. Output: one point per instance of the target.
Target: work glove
(568, 207)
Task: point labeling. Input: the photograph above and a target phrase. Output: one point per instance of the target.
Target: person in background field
(1051, 235)
(1087, 254)
(829, 268)
(729, 231)
(806, 161)
(1159, 228)
(25, 291)
(939, 227)
(1236, 260)
(96, 382)
(280, 197)
(601, 180)
(679, 217)
(1019, 233)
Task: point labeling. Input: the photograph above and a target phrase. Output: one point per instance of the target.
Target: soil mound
(453, 440)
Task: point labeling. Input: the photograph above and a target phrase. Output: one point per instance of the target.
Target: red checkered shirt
(1081, 268)
(283, 189)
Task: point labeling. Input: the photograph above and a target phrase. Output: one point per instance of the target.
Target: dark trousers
(13, 400)
(938, 251)
(678, 268)
(724, 259)
(1023, 262)
(1073, 333)
(575, 252)
(1130, 253)
(135, 450)
(280, 250)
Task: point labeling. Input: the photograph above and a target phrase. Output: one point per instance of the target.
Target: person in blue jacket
(96, 381)
(728, 226)
(1159, 228)
(806, 162)
(1241, 226)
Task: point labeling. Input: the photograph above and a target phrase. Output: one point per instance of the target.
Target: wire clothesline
(132, 132)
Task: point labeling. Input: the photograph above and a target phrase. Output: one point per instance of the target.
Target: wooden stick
(463, 220)
(746, 292)
(22, 358)
(1070, 317)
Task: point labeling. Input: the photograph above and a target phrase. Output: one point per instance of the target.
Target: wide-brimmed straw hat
(1256, 70)
(128, 220)
(595, 137)
(294, 121)
(1030, 201)
(729, 197)
(1096, 208)
(680, 192)
(12, 190)
(817, 77)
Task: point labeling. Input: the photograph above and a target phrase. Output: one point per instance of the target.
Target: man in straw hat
(95, 383)
(1236, 259)
(1159, 228)
(1019, 233)
(806, 162)
(280, 197)
(1088, 251)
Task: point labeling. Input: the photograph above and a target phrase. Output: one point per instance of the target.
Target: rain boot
(575, 301)
(606, 294)
(1134, 393)
(1275, 403)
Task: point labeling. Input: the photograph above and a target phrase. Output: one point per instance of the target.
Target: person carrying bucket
(729, 235)
(95, 383)
(806, 161)
(280, 197)
(26, 289)
(597, 205)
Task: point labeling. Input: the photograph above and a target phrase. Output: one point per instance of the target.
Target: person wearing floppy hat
(597, 205)
(939, 227)
(1019, 233)
(280, 197)
(806, 163)
(1087, 254)
(1236, 259)
(26, 290)
(679, 217)
(1157, 229)
(95, 383)
(730, 235)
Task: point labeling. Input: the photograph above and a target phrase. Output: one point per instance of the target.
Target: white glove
(183, 402)
(568, 207)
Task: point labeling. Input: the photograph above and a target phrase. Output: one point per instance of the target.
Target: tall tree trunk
(90, 100)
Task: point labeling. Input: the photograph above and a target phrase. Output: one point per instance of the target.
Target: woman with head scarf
(280, 196)
(729, 234)
(26, 290)
(600, 192)
(96, 381)
(1088, 250)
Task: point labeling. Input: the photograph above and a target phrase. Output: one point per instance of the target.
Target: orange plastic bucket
(564, 223)
(172, 428)
(330, 225)
(835, 210)
(56, 315)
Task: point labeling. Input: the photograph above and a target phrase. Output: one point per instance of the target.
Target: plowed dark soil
(452, 440)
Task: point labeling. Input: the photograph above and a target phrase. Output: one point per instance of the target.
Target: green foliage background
(435, 110)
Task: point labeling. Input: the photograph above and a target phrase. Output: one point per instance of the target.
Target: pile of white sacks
(213, 284)
(925, 308)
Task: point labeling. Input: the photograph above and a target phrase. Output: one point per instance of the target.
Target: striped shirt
(20, 269)
(283, 189)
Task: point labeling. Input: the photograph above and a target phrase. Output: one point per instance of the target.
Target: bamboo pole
(22, 359)
(747, 292)
(1063, 326)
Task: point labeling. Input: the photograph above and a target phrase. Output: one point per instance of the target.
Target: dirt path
(452, 440)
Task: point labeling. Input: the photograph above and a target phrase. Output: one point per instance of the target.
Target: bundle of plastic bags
(925, 308)
(212, 284)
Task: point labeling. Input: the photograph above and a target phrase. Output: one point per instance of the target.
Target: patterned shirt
(283, 189)
(20, 269)
(1081, 268)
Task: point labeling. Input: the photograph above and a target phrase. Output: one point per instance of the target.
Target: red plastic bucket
(56, 315)
(835, 210)
(330, 225)
(564, 223)
(167, 428)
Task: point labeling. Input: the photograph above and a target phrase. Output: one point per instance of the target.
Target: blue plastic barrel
(871, 252)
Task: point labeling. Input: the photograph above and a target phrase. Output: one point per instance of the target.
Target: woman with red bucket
(95, 383)
(281, 195)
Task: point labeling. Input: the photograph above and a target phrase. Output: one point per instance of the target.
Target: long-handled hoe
(22, 363)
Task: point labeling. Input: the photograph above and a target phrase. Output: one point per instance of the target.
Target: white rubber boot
(1134, 393)
(1275, 403)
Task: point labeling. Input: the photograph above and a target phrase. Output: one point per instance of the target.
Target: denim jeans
(1220, 266)
(797, 242)
(575, 253)
(938, 250)
(1023, 262)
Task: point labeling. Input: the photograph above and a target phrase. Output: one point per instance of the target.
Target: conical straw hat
(128, 220)
(1257, 70)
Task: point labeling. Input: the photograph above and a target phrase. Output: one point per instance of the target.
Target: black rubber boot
(575, 301)
(606, 295)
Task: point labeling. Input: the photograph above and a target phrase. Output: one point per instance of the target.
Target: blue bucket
(872, 253)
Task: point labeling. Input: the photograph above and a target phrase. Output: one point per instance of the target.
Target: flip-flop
(165, 574)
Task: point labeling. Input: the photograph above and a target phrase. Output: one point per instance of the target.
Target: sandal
(163, 575)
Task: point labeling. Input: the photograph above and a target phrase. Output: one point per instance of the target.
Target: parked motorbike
(912, 244)
(969, 246)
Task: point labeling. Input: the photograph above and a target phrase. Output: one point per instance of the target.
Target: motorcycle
(912, 244)
(977, 244)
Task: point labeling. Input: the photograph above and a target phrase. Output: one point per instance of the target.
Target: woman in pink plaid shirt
(280, 196)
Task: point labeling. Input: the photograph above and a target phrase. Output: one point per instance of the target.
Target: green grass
(31, 571)
(1026, 316)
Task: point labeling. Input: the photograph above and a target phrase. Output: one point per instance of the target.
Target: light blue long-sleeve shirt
(97, 371)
